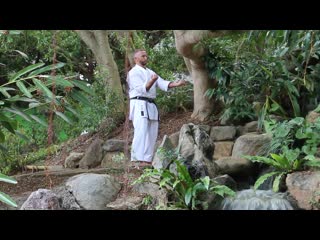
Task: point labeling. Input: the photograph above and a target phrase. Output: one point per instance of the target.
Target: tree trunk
(97, 41)
(203, 106)
(188, 45)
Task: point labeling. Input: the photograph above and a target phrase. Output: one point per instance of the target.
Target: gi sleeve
(137, 83)
(163, 84)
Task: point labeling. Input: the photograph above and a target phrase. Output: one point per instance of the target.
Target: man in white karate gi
(144, 114)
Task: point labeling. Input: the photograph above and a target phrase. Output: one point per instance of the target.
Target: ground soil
(31, 181)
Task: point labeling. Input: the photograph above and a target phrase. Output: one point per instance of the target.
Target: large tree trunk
(97, 41)
(187, 44)
(203, 106)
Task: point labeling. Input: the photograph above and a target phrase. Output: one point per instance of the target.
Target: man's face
(141, 58)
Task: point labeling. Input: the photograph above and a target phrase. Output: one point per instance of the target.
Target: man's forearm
(150, 83)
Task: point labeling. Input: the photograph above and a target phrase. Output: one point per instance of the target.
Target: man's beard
(143, 63)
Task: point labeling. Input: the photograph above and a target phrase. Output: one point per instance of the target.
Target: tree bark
(189, 46)
(97, 41)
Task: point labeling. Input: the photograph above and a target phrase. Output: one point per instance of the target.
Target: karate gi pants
(144, 140)
(144, 116)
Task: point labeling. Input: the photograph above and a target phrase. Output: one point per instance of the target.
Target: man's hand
(177, 83)
(154, 78)
(181, 83)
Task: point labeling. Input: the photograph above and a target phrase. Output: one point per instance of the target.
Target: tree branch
(88, 37)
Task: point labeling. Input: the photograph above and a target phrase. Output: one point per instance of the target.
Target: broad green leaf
(25, 70)
(83, 86)
(22, 136)
(14, 32)
(278, 106)
(187, 197)
(22, 54)
(276, 183)
(298, 121)
(260, 159)
(163, 182)
(175, 183)
(296, 164)
(4, 118)
(222, 190)
(39, 120)
(267, 71)
(64, 117)
(206, 182)
(7, 179)
(8, 200)
(18, 112)
(292, 154)
(283, 162)
(8, 126)
(76, 95)
(23, 89)
(284, 51)
(295, 105)
(184, 173)
(315, 163)
(199, 187)
(43, 87)
(22, 99)
(3, 90)
(47, 68)
(59, 80)
(1, 102)
(72, 110)
(263, 178)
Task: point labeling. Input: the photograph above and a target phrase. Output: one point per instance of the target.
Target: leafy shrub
(186, 191)
(4, 197)
(296, 141)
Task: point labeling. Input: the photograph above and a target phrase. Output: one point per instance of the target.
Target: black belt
(150, 100)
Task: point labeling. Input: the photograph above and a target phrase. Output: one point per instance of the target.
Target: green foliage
(104, 116)
(278, 70)
(285, 163)
(186, 191)
(21, 153)
(23, 80)
(315, 200)
(176, 99)
(295, 133)
(147, 200)
(164, 60)
(4, 197)
(296, 141)
(29, 46)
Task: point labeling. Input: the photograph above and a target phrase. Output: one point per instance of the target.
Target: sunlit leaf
(23, 89)
(18, 112)
(64, 117)
(25, 70)
(7, 179)
(83, 86)
(22, 54)
(47, 68)
(7, 199)
(39, 120)
(263, 178)
(43, 87)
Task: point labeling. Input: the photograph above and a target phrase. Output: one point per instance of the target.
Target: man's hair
(137, 51)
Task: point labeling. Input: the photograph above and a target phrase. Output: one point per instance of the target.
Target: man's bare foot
(145, 164)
